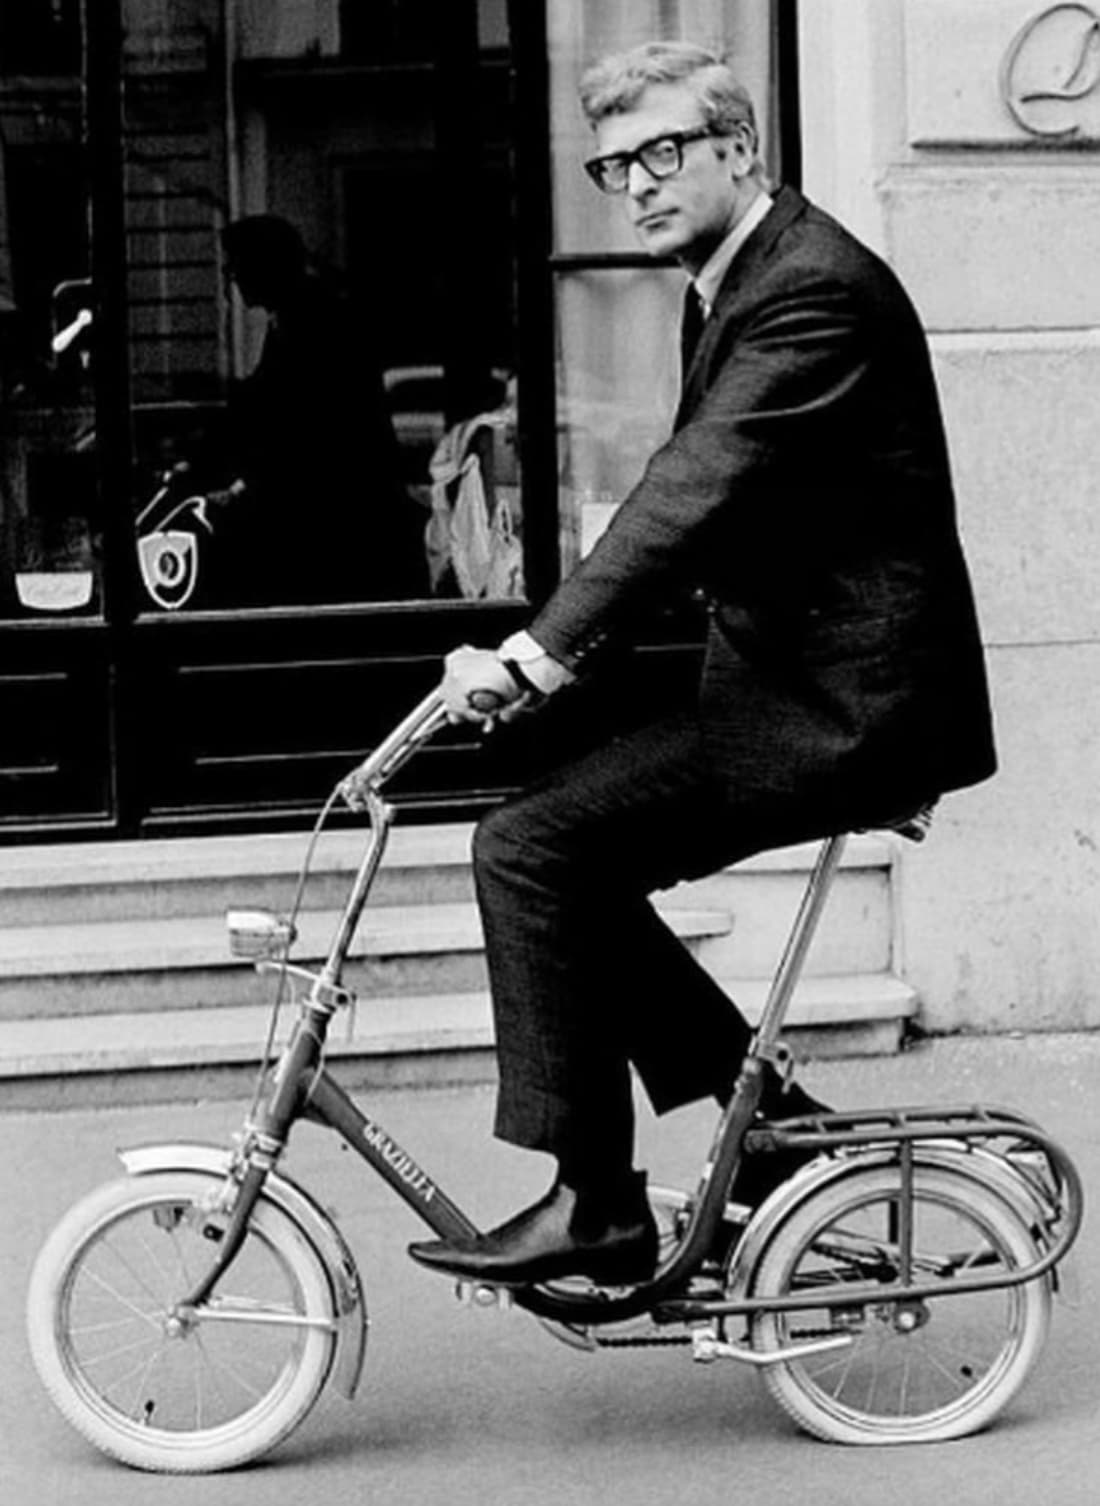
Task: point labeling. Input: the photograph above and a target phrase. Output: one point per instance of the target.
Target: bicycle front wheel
(206, 1392)
(912, 1371)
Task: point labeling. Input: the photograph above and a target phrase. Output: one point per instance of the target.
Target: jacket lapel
(789, 205)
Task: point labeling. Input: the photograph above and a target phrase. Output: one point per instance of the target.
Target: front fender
(315, 1225)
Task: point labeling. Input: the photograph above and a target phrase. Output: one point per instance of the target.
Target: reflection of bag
(505, 577)
(469, 538)
(475, 537)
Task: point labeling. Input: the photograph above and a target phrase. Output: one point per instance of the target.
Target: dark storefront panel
(246, 721)
(56, 696)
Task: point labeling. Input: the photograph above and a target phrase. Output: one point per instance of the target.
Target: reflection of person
(323, 515)
(805, 494)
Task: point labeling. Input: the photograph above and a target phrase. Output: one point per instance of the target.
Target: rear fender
(312, 1222)
(994, 1173)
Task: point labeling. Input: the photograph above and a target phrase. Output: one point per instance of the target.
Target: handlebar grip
(487, 702)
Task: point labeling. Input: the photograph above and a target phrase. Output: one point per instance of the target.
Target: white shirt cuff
(542, 670)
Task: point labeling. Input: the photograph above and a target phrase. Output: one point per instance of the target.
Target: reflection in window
(327, 416)
(303, 500)
(48, 527)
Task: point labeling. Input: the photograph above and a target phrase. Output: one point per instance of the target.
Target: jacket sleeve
(773, 380)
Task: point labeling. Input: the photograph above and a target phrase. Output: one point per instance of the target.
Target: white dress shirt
(709, 277)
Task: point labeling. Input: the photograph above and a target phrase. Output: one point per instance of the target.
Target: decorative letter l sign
(1051, 70)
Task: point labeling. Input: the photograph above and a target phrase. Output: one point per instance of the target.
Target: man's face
(688, 214)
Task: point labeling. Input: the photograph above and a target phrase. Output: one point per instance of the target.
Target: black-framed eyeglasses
(662, 157)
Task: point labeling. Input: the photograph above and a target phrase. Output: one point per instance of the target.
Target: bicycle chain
(664, 1341)
(643, 1341)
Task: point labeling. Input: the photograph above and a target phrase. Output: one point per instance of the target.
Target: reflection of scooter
(170, 557)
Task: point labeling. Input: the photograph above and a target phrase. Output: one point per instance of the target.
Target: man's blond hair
(615, 84)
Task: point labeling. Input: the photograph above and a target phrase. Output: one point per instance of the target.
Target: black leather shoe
(557, 1236)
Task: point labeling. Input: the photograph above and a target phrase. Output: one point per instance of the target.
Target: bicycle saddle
(913, 824)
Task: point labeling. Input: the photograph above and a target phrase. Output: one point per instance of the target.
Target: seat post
(798, 944)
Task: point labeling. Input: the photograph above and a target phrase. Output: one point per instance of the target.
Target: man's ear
(741, 151)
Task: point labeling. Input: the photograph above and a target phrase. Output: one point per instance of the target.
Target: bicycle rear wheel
(913, 1372)
(211, 1391)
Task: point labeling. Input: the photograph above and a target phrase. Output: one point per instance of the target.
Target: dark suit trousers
(586, 978)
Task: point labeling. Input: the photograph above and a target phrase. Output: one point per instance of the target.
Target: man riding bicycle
(805, 494)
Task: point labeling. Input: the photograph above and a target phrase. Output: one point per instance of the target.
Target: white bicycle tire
(62, 1272)
(800, 1387)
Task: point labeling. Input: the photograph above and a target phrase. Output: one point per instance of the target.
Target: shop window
(48, 529)
(350, 420)
(354, 443)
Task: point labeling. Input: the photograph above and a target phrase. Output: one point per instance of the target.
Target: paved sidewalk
(481, 1407)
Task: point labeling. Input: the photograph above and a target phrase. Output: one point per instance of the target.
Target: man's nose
(640, 182)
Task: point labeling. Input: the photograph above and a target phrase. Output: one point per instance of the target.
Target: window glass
(49, 535)
(323, 377)
(617, 390)
(617, 315)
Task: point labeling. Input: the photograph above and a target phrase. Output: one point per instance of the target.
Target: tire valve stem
(147, 1413)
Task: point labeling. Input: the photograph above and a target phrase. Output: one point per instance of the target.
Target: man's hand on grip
(478, 687)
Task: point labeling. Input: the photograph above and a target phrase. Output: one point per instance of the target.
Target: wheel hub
(178, 1324)
(910, 1316)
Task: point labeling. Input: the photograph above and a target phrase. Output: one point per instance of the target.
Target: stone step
(855, 934)
(92, 882)
(149, 966)
(191, 1054)
(116, 979)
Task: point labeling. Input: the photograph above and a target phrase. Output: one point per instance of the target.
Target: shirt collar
(710, 275)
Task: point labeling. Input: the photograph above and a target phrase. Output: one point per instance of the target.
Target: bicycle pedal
(573, 1335)
(482, 1294)
(707, 1285)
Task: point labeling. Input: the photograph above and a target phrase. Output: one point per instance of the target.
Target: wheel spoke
(113, 1291)
(142, 1371)
(220, 1368)
(135, 1272)
(106, 1355)
(933, 1360)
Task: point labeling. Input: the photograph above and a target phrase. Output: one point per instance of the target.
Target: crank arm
(707, 1346)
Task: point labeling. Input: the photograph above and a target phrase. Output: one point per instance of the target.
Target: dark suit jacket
(806, 492)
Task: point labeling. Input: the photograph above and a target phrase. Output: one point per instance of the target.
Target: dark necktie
(691, 327)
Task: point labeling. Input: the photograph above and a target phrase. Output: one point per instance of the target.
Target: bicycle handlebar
(422, 723)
